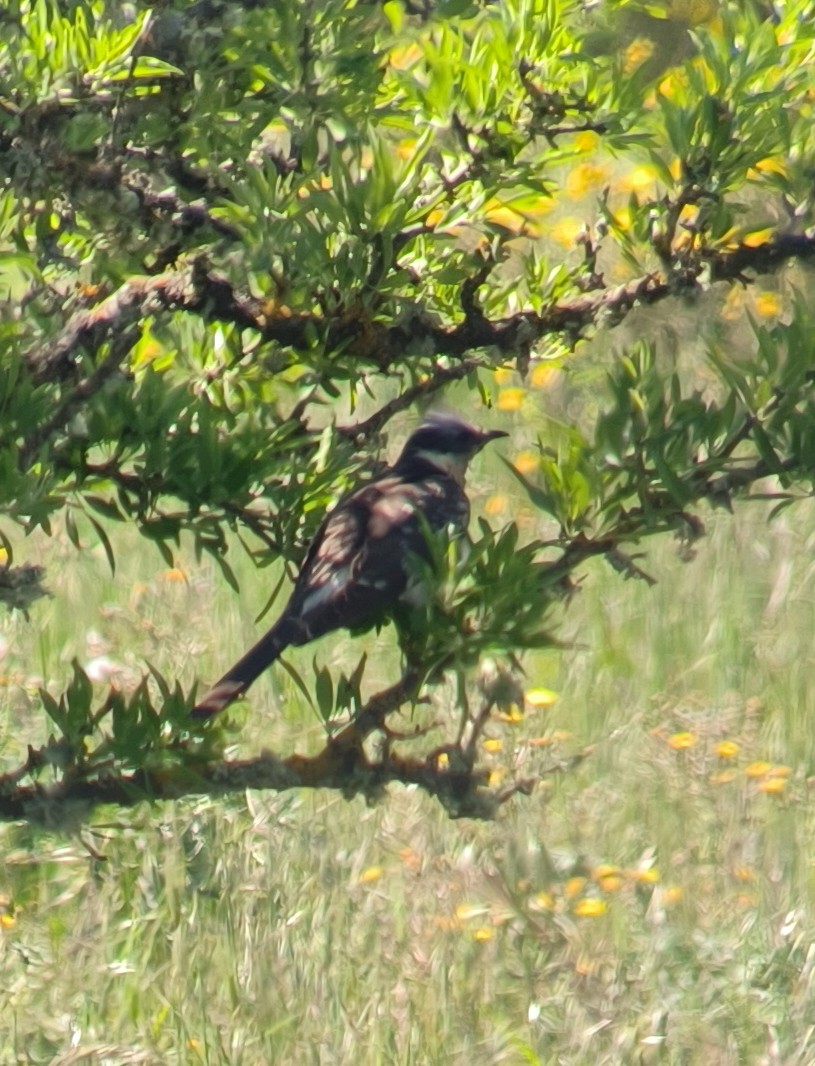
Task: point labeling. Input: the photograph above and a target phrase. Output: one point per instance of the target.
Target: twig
(441, 376)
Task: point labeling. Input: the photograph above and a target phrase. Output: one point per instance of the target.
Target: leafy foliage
(222, 224)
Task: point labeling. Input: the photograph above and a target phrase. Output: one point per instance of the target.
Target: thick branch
(201, 291)
(342, 764)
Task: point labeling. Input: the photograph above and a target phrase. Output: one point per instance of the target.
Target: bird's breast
(397, 508)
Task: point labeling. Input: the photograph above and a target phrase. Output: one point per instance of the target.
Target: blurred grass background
(654, 903)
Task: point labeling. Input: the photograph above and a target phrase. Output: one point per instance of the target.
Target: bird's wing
(360, 560)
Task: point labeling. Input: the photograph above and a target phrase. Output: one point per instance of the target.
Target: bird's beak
(492, 434)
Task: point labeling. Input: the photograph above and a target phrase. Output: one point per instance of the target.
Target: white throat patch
(455, 466)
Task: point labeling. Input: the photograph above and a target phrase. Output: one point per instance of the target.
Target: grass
(653, 904)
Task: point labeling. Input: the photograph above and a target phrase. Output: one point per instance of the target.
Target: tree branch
(342, 764)
(201, 291)
(441, 376)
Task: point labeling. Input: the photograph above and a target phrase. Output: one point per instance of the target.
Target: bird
(362, 563)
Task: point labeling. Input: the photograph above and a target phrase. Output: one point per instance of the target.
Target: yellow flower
(590, 908)
(649, 876)
(510, 399)
(605, 869)
(574, 886)
(175, 574)
(727, 749)
(773, 786)
(586, 141)
(767, 304)
(543, 375)
(494, 505)
(493, 744)
(466, 911)
(681, 741)
(611, 884)
(540, 697)
(671, 894)
(566, 231)
(525, 462)
(545, 901)
(758, 769)
(583, 178)
(608, 877)
(512, 715)
(483, 933)
(641, 179)
(373, 873)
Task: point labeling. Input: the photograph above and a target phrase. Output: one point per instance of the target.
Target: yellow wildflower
(494, 505)
(773, 786)
(681, 741)
(525, 462)
(373, 873)
(540, 697)
(758, 769)
(768, 304)
(545, 901)
(590, 908)
(510, 399)
(727, 749)
(574, 886)
(483, 933)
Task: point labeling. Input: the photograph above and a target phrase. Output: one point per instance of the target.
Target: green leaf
(323, 691)
(105, 542)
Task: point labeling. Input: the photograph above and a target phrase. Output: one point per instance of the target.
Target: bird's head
(448, 443)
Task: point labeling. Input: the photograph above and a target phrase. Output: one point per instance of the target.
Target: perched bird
(362, 561)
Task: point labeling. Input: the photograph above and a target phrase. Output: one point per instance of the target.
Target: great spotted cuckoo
(362, 562)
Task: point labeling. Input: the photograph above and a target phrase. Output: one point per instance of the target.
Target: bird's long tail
(240, 676)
